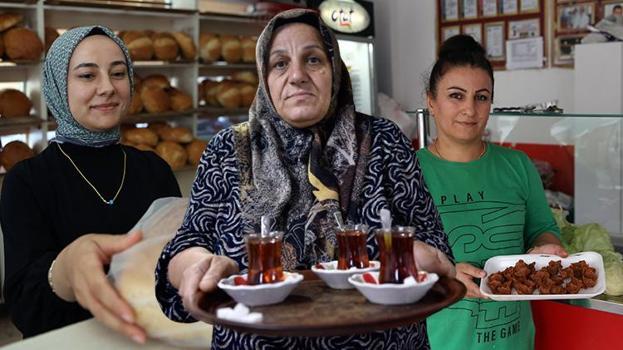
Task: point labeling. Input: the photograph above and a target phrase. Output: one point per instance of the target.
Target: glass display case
(579, 158)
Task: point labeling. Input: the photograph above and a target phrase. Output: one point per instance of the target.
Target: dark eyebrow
(463, 90)
(93, 65)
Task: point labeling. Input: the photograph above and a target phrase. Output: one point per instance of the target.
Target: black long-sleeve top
(46, 204)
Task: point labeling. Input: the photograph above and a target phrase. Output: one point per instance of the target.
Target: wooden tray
(314, 309)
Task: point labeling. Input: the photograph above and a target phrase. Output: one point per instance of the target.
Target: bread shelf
(19, 64)
(260, 22)
(163, 64)
(157, 117)
(210, 112)
(104, 8)
(18, 4)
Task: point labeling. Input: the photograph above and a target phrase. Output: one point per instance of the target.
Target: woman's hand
(431, 259)
(466, 273)
(78, 275)
(195, 272)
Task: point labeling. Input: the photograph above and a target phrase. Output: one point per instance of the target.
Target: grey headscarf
(55, 73)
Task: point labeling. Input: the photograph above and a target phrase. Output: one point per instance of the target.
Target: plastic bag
(132, 272)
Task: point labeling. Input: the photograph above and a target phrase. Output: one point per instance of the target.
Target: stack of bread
(14, 103)
(154, 94)
(230, 48)
(18, 43)
(176, 145)
(236, 91)
(14, 152)
(145, 45)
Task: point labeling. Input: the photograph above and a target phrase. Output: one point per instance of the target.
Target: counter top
(605, 303)
(89, 334)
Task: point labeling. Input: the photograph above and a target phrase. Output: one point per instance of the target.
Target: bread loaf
(245, 76)
(157, 80)
(247, 94)
(9, 19)
(211, 89)
(189, 51)
(13, 153)
(22, 44)
(139, 136)
(143, 147)
(140, 46)
(231, 49)
(172, 153)
(165, 47)
(155, 99)
(248, 49)
(13, 103)
(228, 95)
(209, 47)
(180, 101)
(195, 150)
(177, 134)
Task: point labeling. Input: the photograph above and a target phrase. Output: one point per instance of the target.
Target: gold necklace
(112, 201)
(484, 149)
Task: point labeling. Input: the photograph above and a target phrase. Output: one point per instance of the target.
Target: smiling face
(98, 87)
(461, 104)
(299, 75)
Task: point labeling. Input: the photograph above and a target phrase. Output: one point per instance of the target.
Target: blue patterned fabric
(392, 180)
(55, 73)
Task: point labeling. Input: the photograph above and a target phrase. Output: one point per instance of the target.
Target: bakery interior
(558, 98)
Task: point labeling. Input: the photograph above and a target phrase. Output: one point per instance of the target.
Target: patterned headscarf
(55, 73)
(302, 176)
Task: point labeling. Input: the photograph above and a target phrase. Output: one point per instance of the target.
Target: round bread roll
(50, 35)
(157, 126)
(180, 101)
(165, 47)
(172, 153)
(247, 94)
(141, 49)
(248, 49)
(13, 153)
(231, 49)
(139, 136)
(245, 76)
(131, 35)
(157, 80)
(155, 99)
(228, 94)
(209, 47)
(189, 51)
(195, 150)
(22, 44)
(9, 19)
(177, 134)
(13, 103)
(144, 147)
(136, 105)
(211, 89)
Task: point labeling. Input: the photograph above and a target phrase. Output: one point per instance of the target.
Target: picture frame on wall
(564, 48)
(470, 9)
(494, 40)
(475, 30)
(450, 10)
(489, 8)
(509, 7)
(527, 28)
(448, 32)
(612, 12)
(529, 6)
(575, 16)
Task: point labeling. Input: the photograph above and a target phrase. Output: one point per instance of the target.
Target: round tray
(314, 309)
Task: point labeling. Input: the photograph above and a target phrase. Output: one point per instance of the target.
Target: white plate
(499, 263)
(338, 279)
(260, 294)
(393, 293)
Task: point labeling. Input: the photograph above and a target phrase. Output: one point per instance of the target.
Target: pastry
(209, 47)
(13, 103)
(141, 49)
(231, 49)
(157, 80)
(228, 94)
(195, 150)
(165, 47)
(9, 19)
(180, 101)
(245, 76)
(248, 49)
(14, 152)
(177, 134)
(22, 44)
(172, 153)
(211, 88)
(155, 99)
(139, 136)
(247, 93)
(189, 51)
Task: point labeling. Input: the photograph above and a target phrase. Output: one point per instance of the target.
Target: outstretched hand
(431, 259)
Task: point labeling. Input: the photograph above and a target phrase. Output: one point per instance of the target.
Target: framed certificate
(564, 48)
(528, 6)
(575, 17)
(448, 32)
(527, 28)
(509, 7)
(494, 41)
(450, 10)
(475, 30)
(524, 53)
(489, 8)
(470, 9)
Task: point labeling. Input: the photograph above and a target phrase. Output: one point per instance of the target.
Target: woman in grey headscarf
(56, 205)
(304, 155)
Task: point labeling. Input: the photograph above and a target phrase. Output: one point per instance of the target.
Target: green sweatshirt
(491, 206)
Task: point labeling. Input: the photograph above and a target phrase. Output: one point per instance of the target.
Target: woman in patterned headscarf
(304, 155)
(83, 183)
